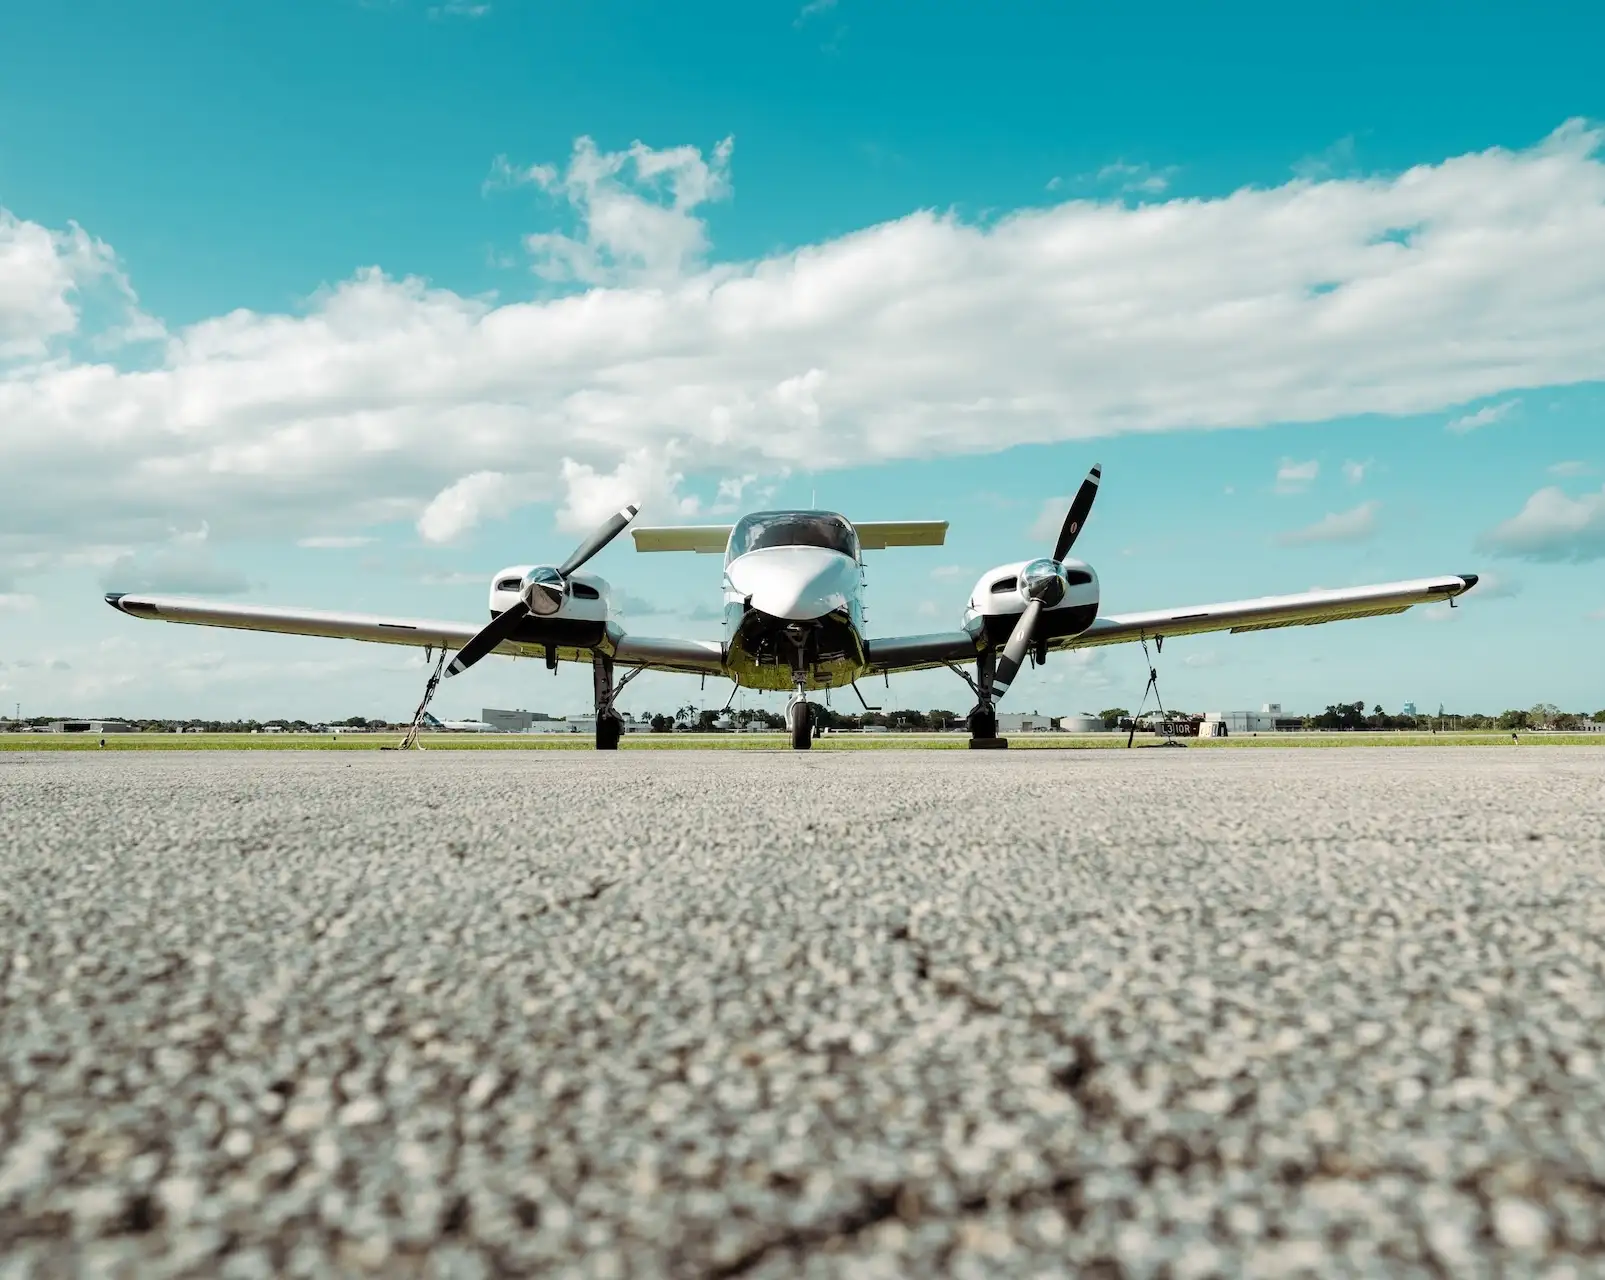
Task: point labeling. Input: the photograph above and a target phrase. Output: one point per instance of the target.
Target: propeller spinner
(1044, 585)
(541, 594)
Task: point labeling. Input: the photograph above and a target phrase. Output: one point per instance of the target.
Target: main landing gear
(609, 724)
(983, 717)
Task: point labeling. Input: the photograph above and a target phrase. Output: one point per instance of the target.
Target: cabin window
(793, 529)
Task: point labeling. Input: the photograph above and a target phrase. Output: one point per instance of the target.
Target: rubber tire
(802, 732)
(609, 729)
(983, 724)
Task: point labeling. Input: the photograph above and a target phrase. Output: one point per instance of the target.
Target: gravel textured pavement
(1147, 1013)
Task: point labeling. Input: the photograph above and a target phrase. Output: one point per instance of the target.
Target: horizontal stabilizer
(711, 539)
(706, 539)
(874, 535)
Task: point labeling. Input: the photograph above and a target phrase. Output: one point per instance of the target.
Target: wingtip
(1470, 579)
(114, 599)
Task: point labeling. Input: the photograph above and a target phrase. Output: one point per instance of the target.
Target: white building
(1025, 722)
(512, 721)
(586, 724)
(1268, 719)
(1083, 723)
(90, 726)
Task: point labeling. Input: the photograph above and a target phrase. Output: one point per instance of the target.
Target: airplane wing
(915, 653)
(1267, 613)
(1308, 608)
(573, 640)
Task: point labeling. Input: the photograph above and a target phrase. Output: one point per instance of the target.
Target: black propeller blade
(488, 637)
(1076, 517)
(611, 529)
(547, 587)
(1014, 651)
(1044, 585)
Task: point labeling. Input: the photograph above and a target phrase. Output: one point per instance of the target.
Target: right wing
(574, 640)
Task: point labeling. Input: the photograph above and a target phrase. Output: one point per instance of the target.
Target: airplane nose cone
(794, 583)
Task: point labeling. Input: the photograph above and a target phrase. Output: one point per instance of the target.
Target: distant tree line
(1340, 716)
(691, 719)
(163, 725)
(1546, 715)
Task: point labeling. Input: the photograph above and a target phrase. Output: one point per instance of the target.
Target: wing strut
(1152, 687)
(410, 742)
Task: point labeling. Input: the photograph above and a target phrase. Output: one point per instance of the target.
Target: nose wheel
(802, 728)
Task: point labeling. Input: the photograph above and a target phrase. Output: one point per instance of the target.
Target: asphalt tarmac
(1180, 1013)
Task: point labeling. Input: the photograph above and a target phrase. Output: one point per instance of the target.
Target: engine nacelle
(1001, 595)
(584, 598)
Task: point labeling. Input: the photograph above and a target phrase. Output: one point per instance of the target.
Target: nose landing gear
(800, 715)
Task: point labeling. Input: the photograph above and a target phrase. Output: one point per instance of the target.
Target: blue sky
(1324, 291)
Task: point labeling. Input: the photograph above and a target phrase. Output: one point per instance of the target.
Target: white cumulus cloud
(1354, 525)
(1295, 477)
(643, 478)
(637, 210)
(1552, 526)
(923, 336)
(335, 542)
(1485, 416)
(184, 564)
(459, 507)
(45, 276)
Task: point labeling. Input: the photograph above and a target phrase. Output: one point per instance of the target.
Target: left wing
(1308, 608)
(574, 640)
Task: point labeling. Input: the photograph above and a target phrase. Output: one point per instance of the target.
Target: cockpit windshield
(793, 529)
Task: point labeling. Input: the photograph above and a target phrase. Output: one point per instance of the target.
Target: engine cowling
(584, 597)
(1001, 594)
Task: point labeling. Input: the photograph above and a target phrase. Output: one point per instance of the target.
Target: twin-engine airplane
(794, 613)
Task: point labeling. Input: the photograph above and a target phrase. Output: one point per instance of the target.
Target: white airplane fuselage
(794, 615)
